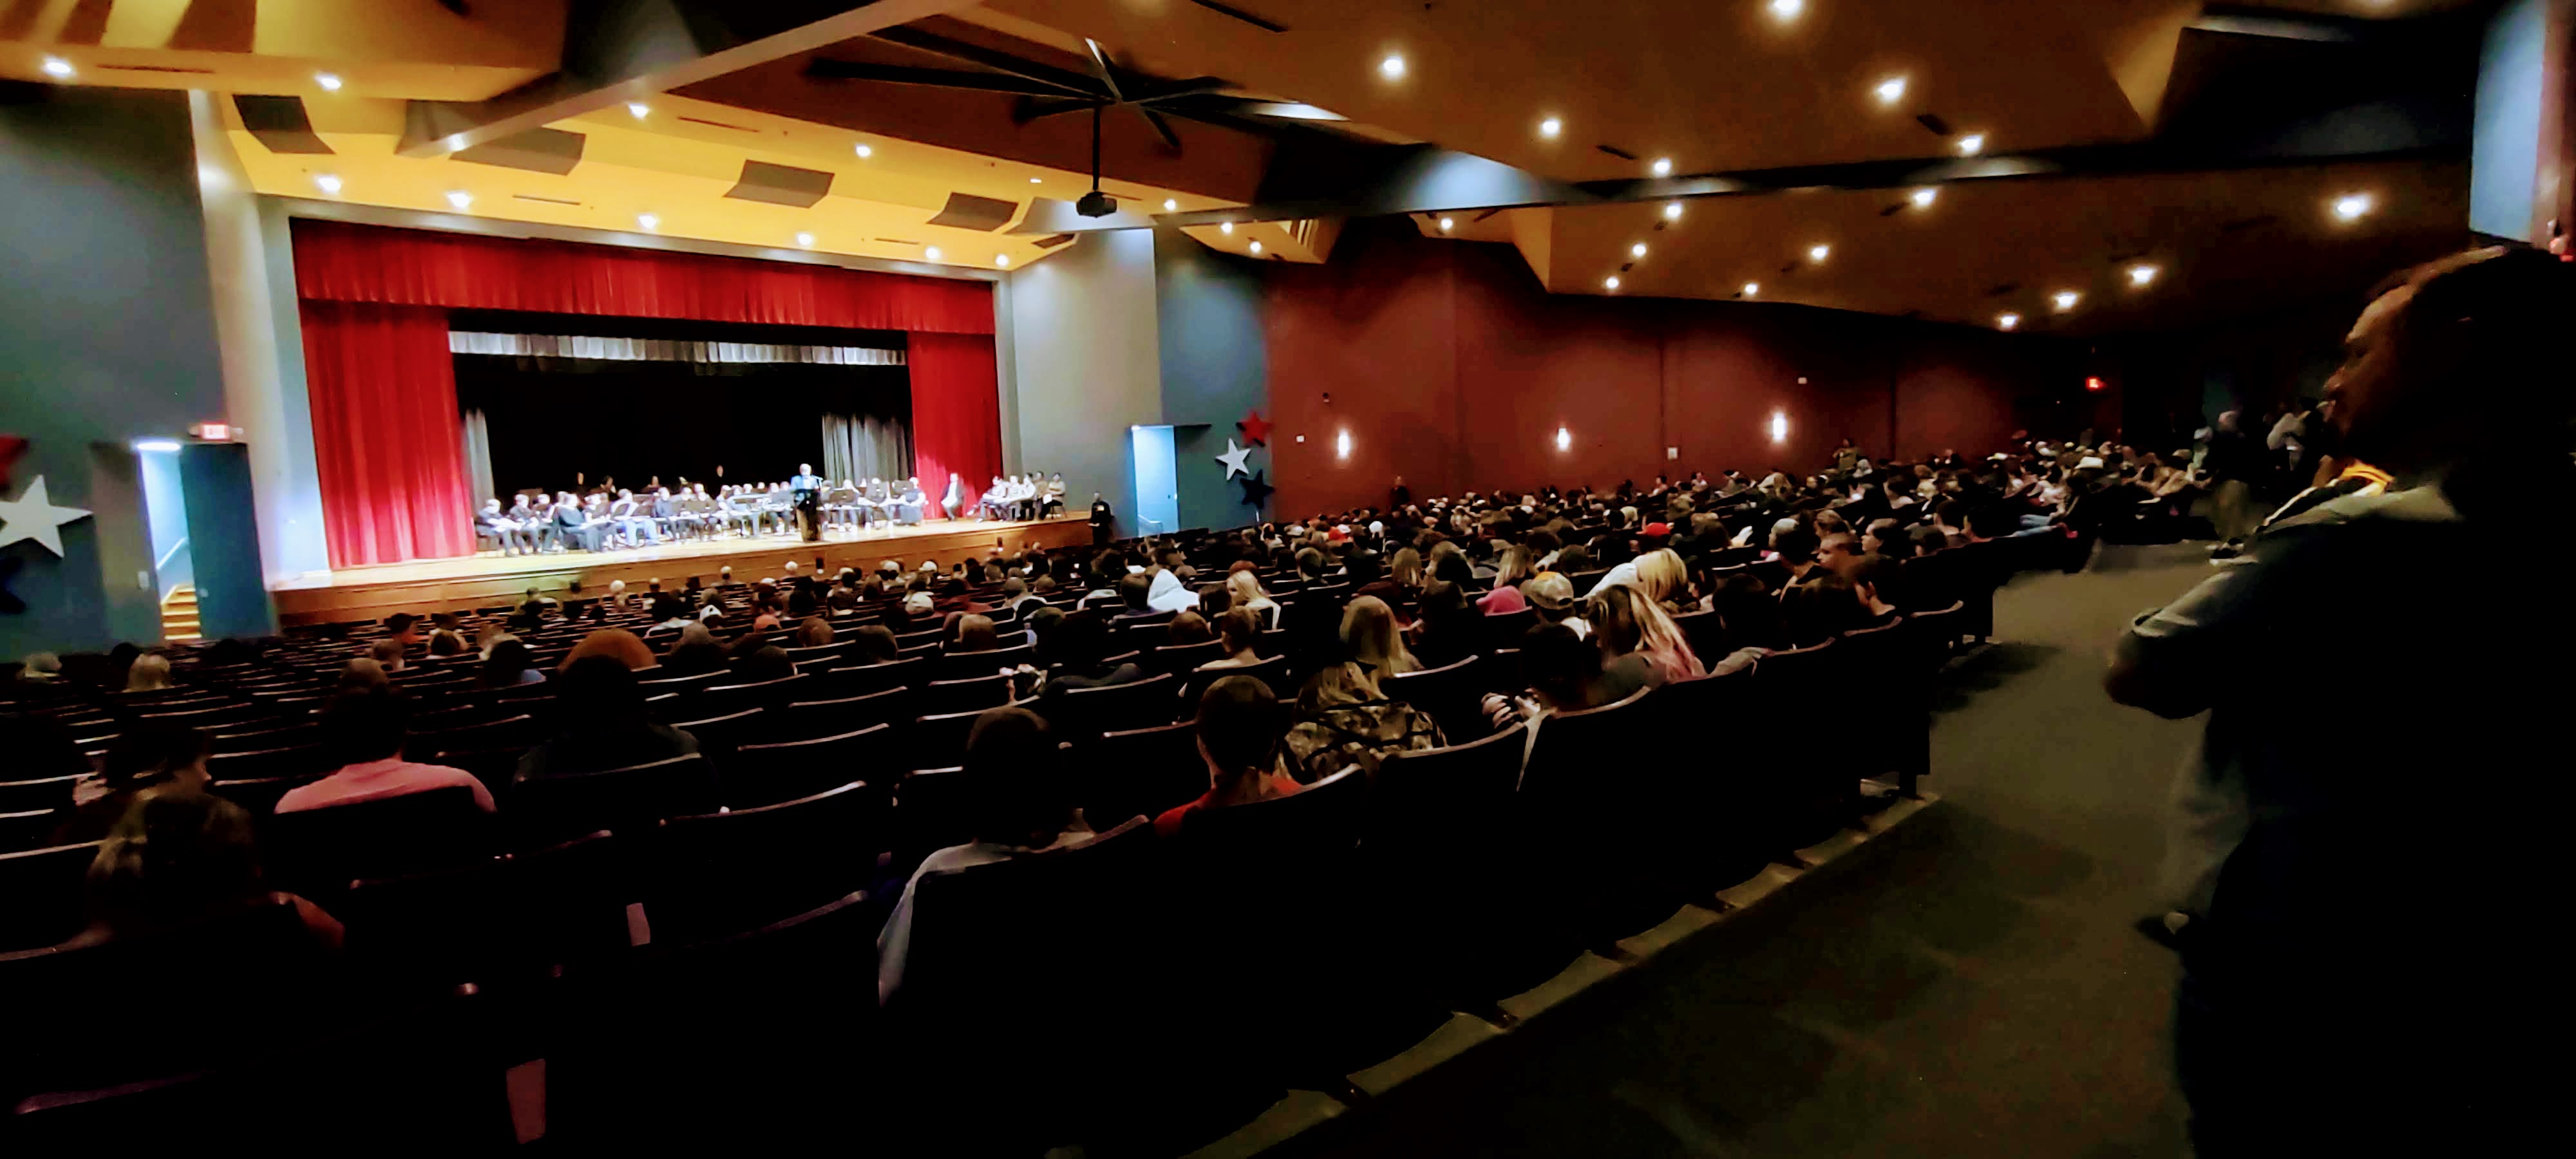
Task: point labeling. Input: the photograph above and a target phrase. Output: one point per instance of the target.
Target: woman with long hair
(180, 856)
(1641, 647)
(1344, 719)
(1511, 566)
(1406, 569)
(1244, 588)
(1370, 636)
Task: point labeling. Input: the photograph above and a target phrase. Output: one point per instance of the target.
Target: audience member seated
(147, 755)
(177, 858)
(603, 725)
(1018, 802)
(1447, 628)
(1370, 636)
(151, 673)
(873, 644)
(1502, 601)
(443, 642)
(1563, 672)
(1076, 652)
(1188, 628)
(1551, 595)
(1640, 645)
(1879, 584)
(1748, 615)
(698, 652)
(1344, 719)
(1244, 589)
(765, 663)
(813, 632)
(1797, 549)
(363, 731)
(508, 666)
(616, 643)
(1827, 611)
(388, 655)
(1839, 553)
(1240, 628)
(1238, 731)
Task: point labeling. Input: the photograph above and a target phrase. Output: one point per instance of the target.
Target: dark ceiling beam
(938, 78)
(976, 54)
(617, 51)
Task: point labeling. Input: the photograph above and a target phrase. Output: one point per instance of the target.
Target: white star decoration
(32, 516)
(1233, 459)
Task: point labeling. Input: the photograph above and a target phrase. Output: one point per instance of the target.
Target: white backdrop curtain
(478, 456)
(865, 447)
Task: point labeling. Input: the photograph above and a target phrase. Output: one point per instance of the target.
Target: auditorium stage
(491, 580)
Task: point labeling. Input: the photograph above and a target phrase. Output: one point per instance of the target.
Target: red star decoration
(11, 446)
(1256, 429)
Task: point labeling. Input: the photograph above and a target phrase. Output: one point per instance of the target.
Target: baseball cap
(1658, 529)
(918, 603)
(1549, 590)
(930, 565)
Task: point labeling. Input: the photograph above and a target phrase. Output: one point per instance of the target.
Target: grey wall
(107, 334)
(1086, 364)
(1215, 368)
(2505, 163)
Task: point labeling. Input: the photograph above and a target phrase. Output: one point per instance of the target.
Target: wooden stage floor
(491, 579)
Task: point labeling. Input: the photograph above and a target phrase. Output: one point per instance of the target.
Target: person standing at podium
(807, 488)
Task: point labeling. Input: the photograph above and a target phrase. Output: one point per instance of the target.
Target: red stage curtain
(385, 435)
(956, 410)
(356, 263)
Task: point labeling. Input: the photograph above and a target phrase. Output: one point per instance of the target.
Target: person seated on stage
(673, 516)
(907, 504)
(840, 504)
(364, 730)
(503, 531)
(995, 496)
(603, 725)
(1239, 726)
(634, 520)
(1054, 497)
(948, 504)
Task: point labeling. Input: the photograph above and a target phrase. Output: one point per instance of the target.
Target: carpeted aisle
(1973, 988)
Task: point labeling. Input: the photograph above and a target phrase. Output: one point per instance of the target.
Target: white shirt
(894, 943)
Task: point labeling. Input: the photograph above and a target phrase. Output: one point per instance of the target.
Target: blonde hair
(1405, 569)
(1336, 686)
(1370, 635)
(1627, 621)
(1243, 589)
(149, 673)
(1512, 566)
(1661, 575)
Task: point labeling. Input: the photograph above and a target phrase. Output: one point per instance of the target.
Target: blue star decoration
(1255, 492)
(10, 604)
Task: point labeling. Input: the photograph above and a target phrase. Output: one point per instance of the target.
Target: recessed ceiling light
(648, 221)
(932, 253)
(864, 151)
(638, 109)
(1550, 127)
(1788, 9)
(1037, 181)
(58, 68)
(330, 83)
(2007, 321)
(2066, 300)
(1392, 67)
(806, 240)
(1610, 283)
(1638, 250)
(1672, 211)
(1752, 288)
(1226, 228)
(327, 182)
(1819, 253)
(459, 199)
(1891, 90)
(1256, 247)
(1923, 198)
(2140, 275)
(456, 142)
(1448, 223)
(1170, 204)
(1002, 260)
(2352, 206)
(1663, 166)
(1972, 144)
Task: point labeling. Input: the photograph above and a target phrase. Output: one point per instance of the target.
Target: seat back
(1183, 657)
(727, 699)
(1083, 712)
(1452, 694)
(721, 873)
(630, 798)
(43, 888)
(41, 793)
(929, 813)
(861, 679)
(975, 694)
(1141, 772)
(1272, 671)
(721, 735)
(301, 761)
(259, 795)
(990, 661)
(765, 774)
(318, 852)
(1505, 629)
(517, 730)
(1711, 819)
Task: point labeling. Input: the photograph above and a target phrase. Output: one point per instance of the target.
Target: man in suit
(807, 488)
(571, 526)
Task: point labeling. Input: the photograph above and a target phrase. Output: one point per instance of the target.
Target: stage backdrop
(387, 438)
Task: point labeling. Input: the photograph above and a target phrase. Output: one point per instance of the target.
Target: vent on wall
(967, 211)
(279, 123)
(780, 185)
(1053, 240)
(1231, 12)
(537, 151)
(1617, 152)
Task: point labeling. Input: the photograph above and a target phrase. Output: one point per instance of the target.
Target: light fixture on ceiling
(806, 240)
(1341, 444)
(330, 82)
(1638, 250)
(162, 445)
(1256, 249)
(1890, 90)
(1923, 198)
(638, 110)
(648, 222)
(2007, 321)
(1170, 204)
(1226, 228)
(1672, 211)
(2094, 383)
(1787, 9)
(1610, 283)
(2352, 206)
(1002, 260)
(456, 142)
(864, 152)
(58, 68)
(931, 252)
(2065, 300)
(1392, 68)
(1819, 252)
(1550, 127)
(1037, 181)
(1448, 223)
(1564, 439)
(459, 199)
(327, 182)
(1663, 166)
(1779, 426)
(1752, 288)
(2142, 274)
(1972, 144)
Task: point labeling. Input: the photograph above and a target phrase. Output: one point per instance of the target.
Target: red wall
(1449, 364)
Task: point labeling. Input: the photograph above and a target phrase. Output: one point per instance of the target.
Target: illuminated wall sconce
(1342, 445)
(1564, 439)
(1779, 426)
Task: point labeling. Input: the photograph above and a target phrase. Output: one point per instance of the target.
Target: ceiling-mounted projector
(1095, 204)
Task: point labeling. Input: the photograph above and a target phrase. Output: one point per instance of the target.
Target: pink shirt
(376, 780)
